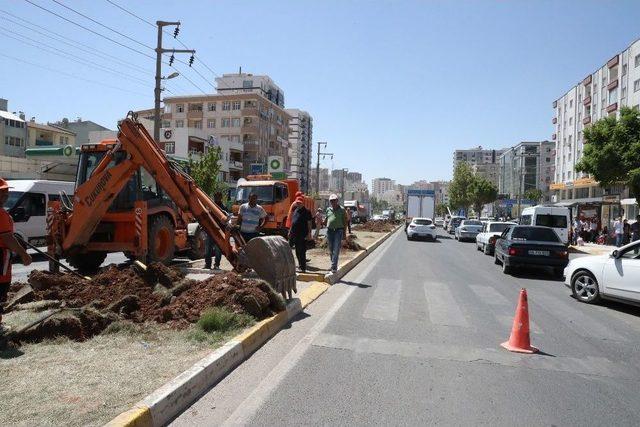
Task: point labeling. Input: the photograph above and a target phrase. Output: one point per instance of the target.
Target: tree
(612, 151)
(481, 193)
(378, 205)
(534, 194)
(205, 171)
(460, 187)
(441, 209)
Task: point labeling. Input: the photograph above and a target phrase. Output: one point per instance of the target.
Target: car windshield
(264, 193)
(472, 222)
(499, 227)
(14, 196)
(534, 233)
(548, 220)
(422, 221)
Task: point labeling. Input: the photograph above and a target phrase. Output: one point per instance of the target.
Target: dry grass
(88, 383)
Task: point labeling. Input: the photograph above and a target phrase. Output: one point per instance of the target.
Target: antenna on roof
(240, 70)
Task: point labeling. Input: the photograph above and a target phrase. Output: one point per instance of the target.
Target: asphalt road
(411, 337)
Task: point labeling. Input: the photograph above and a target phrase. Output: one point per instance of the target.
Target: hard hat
(333, 197)
(4, 185)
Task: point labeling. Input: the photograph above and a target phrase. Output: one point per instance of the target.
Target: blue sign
(414, 192)
(257, 168)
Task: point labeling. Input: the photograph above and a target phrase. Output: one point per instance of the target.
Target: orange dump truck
(275, 197)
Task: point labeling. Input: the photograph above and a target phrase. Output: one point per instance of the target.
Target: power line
(102, 25)
(76, 45)
(132, 14)
(189, 80)
(71, 56)
(89, 29)
(73, 75)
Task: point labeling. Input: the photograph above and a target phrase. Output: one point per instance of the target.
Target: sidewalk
(591, 249)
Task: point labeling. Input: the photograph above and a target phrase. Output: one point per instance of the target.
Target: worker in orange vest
(8, 244)
(287, 223)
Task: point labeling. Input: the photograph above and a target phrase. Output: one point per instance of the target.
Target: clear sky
(393, 86)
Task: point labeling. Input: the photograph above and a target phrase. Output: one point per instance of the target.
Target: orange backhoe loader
(130, 198)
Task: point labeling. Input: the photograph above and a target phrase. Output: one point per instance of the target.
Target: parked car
(613, 276)
(377, 218)
(421, 227)
(486, 240)
(439, 222)
(468, 230)
(453, 223)
(556, 217)
(523, 245)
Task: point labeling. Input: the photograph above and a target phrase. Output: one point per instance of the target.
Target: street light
(171, 76)
(320, 144)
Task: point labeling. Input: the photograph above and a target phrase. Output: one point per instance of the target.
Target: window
(249, 104)
(235, 122)
(180, 108)
(226, 105)
(179, 123)
(166, 124)
(613, 96)
(571, 103)
(195, 107)
(623, 93)
(548, 220)
(226, 123)
(235, 105)
(535, 234)
(570, 121)
(525, 220)
(211, 123)
(636, 85)
(197, 124)
(624, 69)
(211, 106)
(170, 147)
(34, 204)
(637, 60)
(247, 84)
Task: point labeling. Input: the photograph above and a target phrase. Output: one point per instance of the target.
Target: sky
(394, 87)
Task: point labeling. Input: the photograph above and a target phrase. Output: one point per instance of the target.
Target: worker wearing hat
(299, 194)
(8, 244)
(300, 231)
(336, 220)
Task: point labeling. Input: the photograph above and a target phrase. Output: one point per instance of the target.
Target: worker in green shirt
(335, 221)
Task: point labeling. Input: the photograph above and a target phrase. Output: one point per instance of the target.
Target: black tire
(584, 287)
(197, 244)
(496, 261)
(486, 249)
(558, 272)
(88, 262)
(478, 248)
(161, 243)
(506, 269)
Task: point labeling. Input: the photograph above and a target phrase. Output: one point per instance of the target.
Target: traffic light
(171, 59)
(191, 60)
(176, 32)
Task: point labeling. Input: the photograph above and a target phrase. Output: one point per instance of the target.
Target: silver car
(468, 230)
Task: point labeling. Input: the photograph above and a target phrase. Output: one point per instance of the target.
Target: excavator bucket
(272, 260)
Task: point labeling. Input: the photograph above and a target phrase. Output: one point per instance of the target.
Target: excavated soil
(161, 294)
(349, 243)
(376, 226)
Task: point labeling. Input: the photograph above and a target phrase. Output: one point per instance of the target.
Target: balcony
(555, 104)
(554, 120)
(586, 120)
(553, 137)
(586, 101)
(250, 111)
(166, 116)
(251, 146)
(234, 164)
(612, 85)
(194, 114)
(587, 80)
(613, 107)
(613, 61)
(252, 128)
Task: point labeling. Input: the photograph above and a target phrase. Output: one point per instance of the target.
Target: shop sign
(611, 198)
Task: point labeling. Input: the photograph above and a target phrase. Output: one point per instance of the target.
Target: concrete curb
(169, 400)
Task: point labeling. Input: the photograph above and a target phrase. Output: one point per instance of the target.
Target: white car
(421, 227)
(468, 230)
(439, 222)
(613, 276)
(485, 241)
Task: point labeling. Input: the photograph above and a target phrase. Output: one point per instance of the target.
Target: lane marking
(384, 304)
(587, 365)
(489, 295)
(250, 406)
(443, 308)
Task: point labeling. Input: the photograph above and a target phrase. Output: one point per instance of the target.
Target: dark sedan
(522, 245)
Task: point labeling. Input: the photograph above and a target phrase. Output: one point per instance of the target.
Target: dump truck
(131, 198)
(275, 196)
(358, 211)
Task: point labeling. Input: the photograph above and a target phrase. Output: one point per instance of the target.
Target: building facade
(300, 144)
(528, 165)
(379, 186)
(44, 135)
(476, 156)
(488, 171)
(600, 94)
(13, 131)
(81, 129)
(242, 83)
(324, 179)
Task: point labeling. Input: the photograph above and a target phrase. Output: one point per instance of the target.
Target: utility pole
(523, 170)
(159, 51)
(343, 173)
(320, 144)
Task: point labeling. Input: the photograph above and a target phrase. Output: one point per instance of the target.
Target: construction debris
(348, 243)
(376, 226)
(159, 294)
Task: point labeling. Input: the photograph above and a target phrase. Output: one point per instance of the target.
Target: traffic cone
(519, 341)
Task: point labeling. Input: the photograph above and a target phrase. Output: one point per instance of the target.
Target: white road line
(489, 295)
(246, 410)
(443, 308)
(384, 304)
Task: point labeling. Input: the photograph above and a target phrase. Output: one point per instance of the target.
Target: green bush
(218, 319)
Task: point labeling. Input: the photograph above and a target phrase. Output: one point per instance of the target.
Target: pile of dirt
(376, 226)
(349, 243)
(161, 294)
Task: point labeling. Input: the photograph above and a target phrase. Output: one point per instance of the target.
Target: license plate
(539, 253)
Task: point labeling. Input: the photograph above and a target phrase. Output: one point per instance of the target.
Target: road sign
(420, 192)
(275, 164)
(278, 175)
(257, 168)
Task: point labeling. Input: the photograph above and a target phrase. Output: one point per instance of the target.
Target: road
(411, 337)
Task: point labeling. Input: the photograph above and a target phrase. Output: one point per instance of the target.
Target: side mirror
(20, 214)
(615, 254)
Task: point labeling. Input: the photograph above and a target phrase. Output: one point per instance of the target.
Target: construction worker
(8, 244)
(251, 218)
(211, 249)
(299, 194)
(336, 220)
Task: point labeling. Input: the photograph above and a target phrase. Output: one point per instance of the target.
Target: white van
(556, 217)
(27, 205)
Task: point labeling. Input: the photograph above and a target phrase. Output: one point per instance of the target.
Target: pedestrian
(593, 230)
(8, 244)
(635, 229)
(626, 231)
(583, 228)
(319, 218)
(618, 228)
(212, 250)
(576, 230)
(251, 218)
(300, 232)
(287, 222)
(335, 220)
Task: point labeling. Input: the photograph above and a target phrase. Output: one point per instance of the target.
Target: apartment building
(81, 129)
(239, 83)
(527, 165)
(600, 94)
(379, 186)
(300, 144)
(324, 179)
(476, 156)
(44, 135)
(13, 131)
(488, 171)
